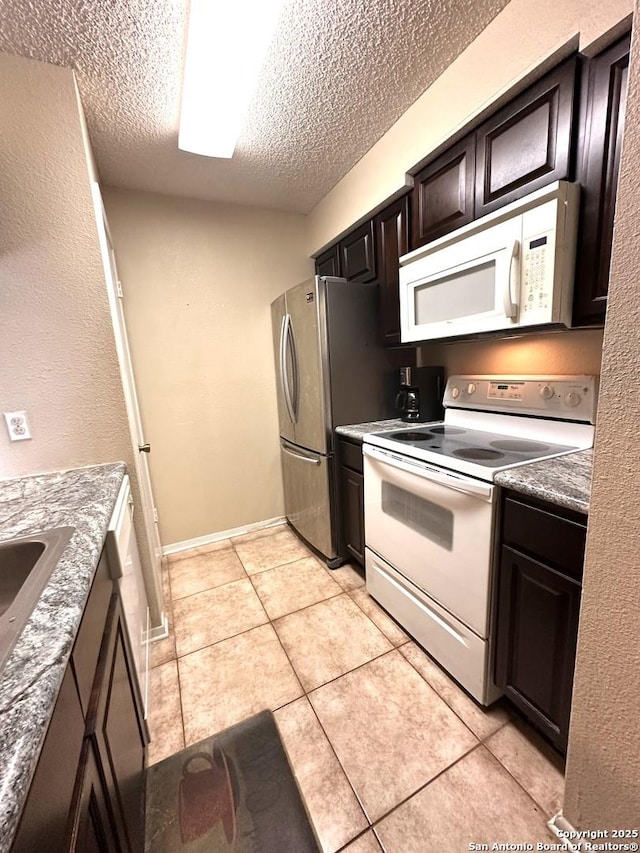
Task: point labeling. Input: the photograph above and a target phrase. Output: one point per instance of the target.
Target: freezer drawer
(306, 478)
(451, 643)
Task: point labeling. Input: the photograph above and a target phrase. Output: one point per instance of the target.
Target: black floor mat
(231, 792)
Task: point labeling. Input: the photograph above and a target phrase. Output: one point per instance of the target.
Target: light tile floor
(389, 753)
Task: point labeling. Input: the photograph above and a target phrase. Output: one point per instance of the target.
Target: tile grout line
(516, 780)
(406, 799)
(481, 740)
(306, 693)
(170, 585)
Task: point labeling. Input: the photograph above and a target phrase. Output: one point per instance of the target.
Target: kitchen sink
(25, 567)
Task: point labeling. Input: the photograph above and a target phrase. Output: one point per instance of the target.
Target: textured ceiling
(337, 76)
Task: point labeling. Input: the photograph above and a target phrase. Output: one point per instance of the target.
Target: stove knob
(546, 392)
(471, 388)
(573, 399)
(455, 392)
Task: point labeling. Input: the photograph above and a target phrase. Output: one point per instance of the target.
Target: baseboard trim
(212, 538)
(561, 828)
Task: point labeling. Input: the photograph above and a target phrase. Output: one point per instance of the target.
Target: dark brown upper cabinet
(604, 89)
(392, 237)
(443, 193)
(357, 253)
(527, 144)
(328, 263)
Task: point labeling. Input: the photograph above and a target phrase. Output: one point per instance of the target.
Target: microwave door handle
(513, 276)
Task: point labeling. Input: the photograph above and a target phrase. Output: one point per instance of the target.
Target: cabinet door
(46, 812)
(605, 88)
(392, 230)
(352, 512)
(443, 193)
(118, 732)
(86, 649)
(357, 254)
(91, 829)
(527, 143)
(329, 262)
(537, 629)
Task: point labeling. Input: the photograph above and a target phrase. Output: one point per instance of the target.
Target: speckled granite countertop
(357, 431)
(82, 498)
(565, 480)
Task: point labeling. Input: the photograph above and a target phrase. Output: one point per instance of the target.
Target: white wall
(57, 351)
(575, 351)
(603, 769)
(199, 279)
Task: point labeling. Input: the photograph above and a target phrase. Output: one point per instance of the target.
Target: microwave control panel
(537, 273)
(547, 257)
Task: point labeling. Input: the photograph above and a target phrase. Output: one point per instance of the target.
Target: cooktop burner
(446, 430)
(493, 423)
(412, 436)
(520, 445)
(488, 451)
(478, 454)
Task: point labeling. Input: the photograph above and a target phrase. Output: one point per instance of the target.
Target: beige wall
(603, 770)
(515, 43)
(57, 351)
(575, 351)
(199, 279)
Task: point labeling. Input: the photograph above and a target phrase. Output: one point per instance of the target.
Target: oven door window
(426, 518)
(465, 293)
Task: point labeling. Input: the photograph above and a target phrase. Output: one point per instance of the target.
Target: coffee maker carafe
(420, 396)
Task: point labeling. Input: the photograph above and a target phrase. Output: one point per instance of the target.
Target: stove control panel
(563, 397)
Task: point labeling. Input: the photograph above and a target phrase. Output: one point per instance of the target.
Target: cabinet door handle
(144, 448)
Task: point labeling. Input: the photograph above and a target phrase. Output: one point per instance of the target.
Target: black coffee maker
(420, 395)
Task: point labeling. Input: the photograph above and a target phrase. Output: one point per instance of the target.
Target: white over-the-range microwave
(511, 269)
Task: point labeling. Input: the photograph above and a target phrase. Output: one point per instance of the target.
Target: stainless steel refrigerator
(330, 370)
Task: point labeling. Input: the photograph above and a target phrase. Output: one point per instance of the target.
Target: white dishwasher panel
(126, 570)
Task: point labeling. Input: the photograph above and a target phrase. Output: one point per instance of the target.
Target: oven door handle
(434, 475)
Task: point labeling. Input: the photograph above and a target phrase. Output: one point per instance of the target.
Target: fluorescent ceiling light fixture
(226, 46)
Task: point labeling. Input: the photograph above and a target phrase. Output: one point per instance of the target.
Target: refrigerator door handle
(289, 345)
(313, 459)
(284, 331)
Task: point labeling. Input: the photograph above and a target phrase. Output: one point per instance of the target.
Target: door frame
(147, 518)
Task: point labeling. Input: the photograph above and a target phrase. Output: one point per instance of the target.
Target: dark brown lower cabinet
(44, 818)
(352, 488)
(92, 829)
(538, 609)
(351, 501)
(117, 732)
(87, 792)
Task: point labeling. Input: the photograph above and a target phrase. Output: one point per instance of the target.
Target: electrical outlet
(17, 425)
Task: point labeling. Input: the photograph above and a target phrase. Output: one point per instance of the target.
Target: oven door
(436, 528)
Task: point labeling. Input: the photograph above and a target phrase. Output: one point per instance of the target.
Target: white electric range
(430, 507)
